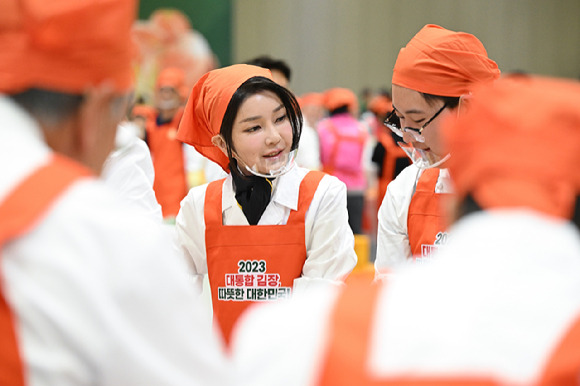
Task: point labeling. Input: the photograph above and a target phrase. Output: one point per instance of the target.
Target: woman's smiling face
(261, 133)
(414, 111)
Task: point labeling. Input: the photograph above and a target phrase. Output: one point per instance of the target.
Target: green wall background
(212, 18)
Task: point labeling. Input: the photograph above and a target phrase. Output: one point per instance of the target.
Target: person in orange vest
(433, 74)
(343, 149)
(167, 151)
(92, 291)
(499, 304)
(387, 154)
(270, 228)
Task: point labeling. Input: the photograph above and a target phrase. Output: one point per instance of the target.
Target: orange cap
(507, 152)
(171, 77)
(206, 107)
(66, 45)
(311, 98)
(380, 104)
(441, 62)
(337, 97)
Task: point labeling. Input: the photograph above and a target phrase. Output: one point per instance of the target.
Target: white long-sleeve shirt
(495, 303)
(393, 246)
(98, 295)
(129, 170)
(329, 239)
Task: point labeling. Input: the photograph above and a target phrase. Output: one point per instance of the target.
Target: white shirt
(308, 155)
(329, 239)
(129, 169)
(393, 246)
(495, 302)
(99, 297)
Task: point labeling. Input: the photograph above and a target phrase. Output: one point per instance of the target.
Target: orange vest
(347, 353)
(393, 152)
(426, 222)
(170, 184)
(248, 264)
(20, 212)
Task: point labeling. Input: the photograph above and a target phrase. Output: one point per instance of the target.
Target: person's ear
(100, 114)
(219, 142)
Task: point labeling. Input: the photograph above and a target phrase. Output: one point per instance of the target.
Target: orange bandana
(380, 105)
(441, 62)
(311, 98)
(337, 97)
(507, 152)
(66, 45)
(206, 107)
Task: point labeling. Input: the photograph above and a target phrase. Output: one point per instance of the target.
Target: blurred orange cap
(66, 45)
(311, 98)
(380, 104)
(441, 62)
(506, 152)
(337, 97)
(207, 104)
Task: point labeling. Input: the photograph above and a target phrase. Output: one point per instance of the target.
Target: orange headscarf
(506, 152)
(207, 104)
(441, 62)
(66, 45)
(337, 97)
(173, 77)
(311, 98)
(380, 104)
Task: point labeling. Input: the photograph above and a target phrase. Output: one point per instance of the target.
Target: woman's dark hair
(251, 87)
(49, 107)
(451, 102)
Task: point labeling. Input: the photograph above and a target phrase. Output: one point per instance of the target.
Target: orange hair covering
(206, 107)
(380, 104)
(337, 97)
(311, 98)
(441, 62)
(506, 152)
(173, 77)
(66, 45)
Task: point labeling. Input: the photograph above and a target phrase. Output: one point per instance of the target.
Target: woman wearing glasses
(433, 74)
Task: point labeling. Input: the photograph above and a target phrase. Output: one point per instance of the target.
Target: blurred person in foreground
(432, 76)
(499, 304)
(91, 291)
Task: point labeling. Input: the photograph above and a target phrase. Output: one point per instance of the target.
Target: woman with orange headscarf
(433, 74)
(270, 227)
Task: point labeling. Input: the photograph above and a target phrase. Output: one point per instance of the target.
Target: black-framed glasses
(394, 123)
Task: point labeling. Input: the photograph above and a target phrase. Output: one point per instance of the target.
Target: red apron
(20, 212)
(426, 222)
(248, 264)
(170, 184)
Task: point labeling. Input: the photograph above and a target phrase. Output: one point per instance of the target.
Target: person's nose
(272, 135)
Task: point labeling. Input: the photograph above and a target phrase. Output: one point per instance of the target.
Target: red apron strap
(308, 187)
(20, 212)
(213, 203)
(563, 368)
(350, 332)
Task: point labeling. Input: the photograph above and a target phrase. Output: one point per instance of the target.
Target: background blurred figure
(499, 304)
(166, 150)
(309, 150)
(167, 39)
(92, 293)
(343, 142)
(389, 158)
(433, 73)
(281, 72)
